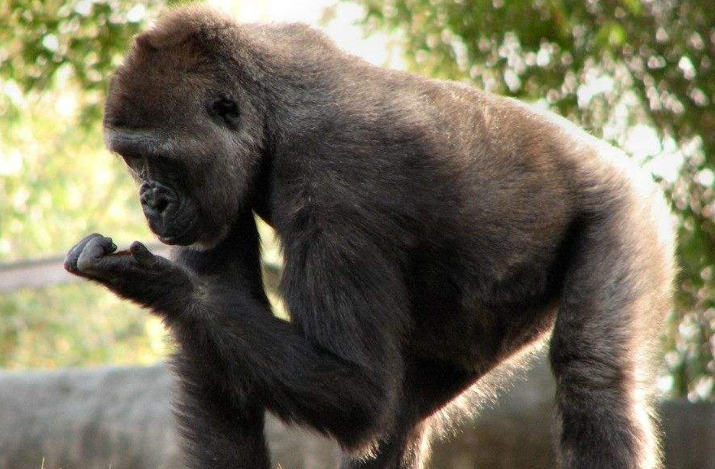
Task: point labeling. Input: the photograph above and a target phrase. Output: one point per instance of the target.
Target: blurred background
(638, 73)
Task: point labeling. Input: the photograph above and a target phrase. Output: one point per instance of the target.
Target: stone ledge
(120, 417)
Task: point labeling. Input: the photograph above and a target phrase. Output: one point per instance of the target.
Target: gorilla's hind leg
(616, 294)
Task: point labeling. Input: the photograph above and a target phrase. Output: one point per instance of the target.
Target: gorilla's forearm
(227, 325)
(215, 305)
(230, 338)
(228, 334)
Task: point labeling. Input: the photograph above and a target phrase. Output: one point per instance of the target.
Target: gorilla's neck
(230, 258)
(264, 212)
(260, 200)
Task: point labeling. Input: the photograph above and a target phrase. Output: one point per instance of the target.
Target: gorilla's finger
(141, 253)
(70, 263)
(96, 248)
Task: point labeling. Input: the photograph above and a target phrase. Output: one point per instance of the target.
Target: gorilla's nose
(155, 198)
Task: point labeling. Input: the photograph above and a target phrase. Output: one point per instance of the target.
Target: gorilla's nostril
(155, 198)
(157, 202)
(161, 204)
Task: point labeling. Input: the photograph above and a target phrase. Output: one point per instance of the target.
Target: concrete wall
(120, 418)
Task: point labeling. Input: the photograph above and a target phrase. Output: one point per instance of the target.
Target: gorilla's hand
(94, 257)
(136, 274)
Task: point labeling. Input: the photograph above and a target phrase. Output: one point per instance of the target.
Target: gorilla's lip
(175, 226)
(168, 240)
(178, 225)
(184, 238)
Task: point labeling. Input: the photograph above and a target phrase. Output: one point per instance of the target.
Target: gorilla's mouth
(175, 227)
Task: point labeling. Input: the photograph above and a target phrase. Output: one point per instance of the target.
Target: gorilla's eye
(226, 109)
(132, 160)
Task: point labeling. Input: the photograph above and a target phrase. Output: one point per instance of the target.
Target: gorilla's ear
(225, 109)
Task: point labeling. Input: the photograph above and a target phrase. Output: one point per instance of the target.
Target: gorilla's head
(181, 115)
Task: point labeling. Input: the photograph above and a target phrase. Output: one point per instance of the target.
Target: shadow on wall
(121, 418)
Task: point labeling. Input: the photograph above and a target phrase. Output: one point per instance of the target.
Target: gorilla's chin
(176, 241)
(209, 242)
(184, 239)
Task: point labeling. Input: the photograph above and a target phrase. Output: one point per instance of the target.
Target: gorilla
(432, 234)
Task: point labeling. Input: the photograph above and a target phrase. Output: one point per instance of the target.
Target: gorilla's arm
(336, 367)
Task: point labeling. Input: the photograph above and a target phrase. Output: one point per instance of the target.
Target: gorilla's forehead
(157, 85)
(146, 97)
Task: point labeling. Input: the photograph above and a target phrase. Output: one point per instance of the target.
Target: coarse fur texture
(432, 232)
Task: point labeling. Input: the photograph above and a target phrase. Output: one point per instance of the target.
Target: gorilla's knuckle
(85, 263)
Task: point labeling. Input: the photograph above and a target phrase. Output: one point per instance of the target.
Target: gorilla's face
(190, 137)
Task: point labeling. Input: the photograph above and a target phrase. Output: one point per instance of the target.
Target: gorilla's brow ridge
(129, 141)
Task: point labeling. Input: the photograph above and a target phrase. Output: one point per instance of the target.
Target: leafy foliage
(612, 66)
(76, 325)
(57, 183)
(84, 39)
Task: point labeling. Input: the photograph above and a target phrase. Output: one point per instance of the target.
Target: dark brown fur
(431, 232)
